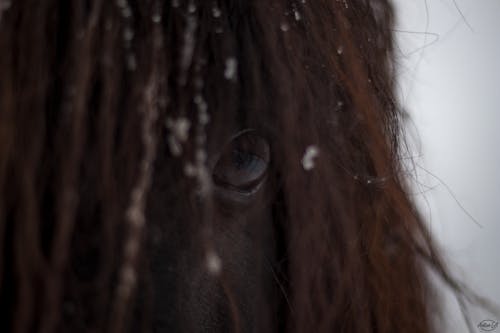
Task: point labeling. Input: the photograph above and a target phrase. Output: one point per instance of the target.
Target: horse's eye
(243, 164)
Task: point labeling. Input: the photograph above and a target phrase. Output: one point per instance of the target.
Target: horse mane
(86, 89)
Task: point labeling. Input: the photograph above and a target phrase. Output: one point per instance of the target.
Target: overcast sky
(450, 83)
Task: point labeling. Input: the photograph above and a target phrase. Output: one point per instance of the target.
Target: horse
(207, 166)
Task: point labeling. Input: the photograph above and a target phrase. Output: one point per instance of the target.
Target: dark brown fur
(82, 142)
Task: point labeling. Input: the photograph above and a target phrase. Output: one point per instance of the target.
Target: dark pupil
(242, 159)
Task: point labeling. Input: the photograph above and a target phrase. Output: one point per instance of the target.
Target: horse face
(226, 283)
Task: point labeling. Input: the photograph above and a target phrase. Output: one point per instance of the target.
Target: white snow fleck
(340, 105)
(126, 12)
(179, 131)
(136, 216)
(190, 170)
(340, 50)
(204, 179)
(284, 27)
(200, 102)
(310, 155)
(214, 263)
(179, 127)
(128, 34)
(345, 3)
(216, 12)
(297, 15)
(174, 145)
(203, 118)
(201, 156)
(156, 18)
(231, 68)
(128, 275)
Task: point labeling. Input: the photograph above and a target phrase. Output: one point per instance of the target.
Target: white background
(450, 84)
